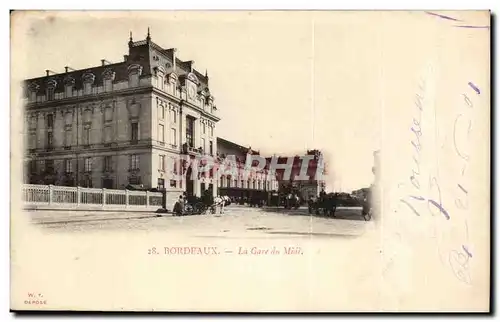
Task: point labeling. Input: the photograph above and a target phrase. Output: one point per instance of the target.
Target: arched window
(88, 79)
(134, 71)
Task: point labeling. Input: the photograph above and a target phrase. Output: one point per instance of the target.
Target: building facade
(257, 182)
(120, 123)
(315, 172)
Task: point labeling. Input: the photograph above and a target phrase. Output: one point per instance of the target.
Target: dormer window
(69, 82)
(134, 71)
(51, 87)
(108, 76)
(88, 80)
(160, 77)
(33, 88)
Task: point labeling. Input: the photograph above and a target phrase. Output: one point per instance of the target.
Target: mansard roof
(145, 53)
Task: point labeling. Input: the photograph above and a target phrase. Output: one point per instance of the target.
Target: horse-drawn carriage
(290, 197)
(327, 204)
(192, 205)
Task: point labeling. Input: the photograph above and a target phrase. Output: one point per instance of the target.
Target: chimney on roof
(67, 69)
(48, 72)
(105, 62)
(191, 65)
(125, 58)
(130, 42)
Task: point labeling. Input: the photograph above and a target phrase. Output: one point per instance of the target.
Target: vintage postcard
(250, 161)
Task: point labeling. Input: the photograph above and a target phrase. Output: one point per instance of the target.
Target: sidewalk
(59, 217)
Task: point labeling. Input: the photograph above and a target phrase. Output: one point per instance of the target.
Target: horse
(327, 203)
(218, 202)
(292, 201)
(227, 200)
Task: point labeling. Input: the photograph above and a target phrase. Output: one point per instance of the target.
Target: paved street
(236, 221)
(236, 261)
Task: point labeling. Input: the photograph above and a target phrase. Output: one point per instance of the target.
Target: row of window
(86, 140)
(48, 165)
(249, 184)
(134, 134)
(88, 89)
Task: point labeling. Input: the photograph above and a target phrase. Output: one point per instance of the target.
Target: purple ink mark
(411, 207)
(474, 27)
(467, 251)
(474, 87)
(441, 16)
(418, 198)
(463, 189)
(441, 209)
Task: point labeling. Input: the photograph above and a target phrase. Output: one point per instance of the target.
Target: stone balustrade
(57, 197)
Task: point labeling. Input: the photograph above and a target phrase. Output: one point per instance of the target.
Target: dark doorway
(107, 183)
(189, 182)
(203, 187)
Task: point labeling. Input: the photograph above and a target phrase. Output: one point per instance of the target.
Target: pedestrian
(179, 206)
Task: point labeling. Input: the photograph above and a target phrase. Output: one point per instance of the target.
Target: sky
(283, 82)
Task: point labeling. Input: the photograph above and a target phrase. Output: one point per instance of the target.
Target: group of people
(185, 205)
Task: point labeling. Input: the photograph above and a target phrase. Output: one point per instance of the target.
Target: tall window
(68, 166)
(49, 166)
(134, 162)
(204, 128)
(173, 116)
(161, 112)
(161, 183)
(107, 134)
(33, 166)
(235, 183)
(50, 140)
(134, 132)
(173, 136)
(211, 148)
(50, 121)
(32, 142)
(190, 131)
(203, 144)
(161, 133)
(242, 184)
(86, 135)
(67, 138)
(211, 131)
(88, 164)
(42, 166)
(107, 163)
(161, 162)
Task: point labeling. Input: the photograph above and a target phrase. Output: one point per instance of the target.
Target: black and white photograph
(250, 161)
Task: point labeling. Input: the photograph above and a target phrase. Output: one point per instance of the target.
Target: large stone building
(120, 123)
(258, 182)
